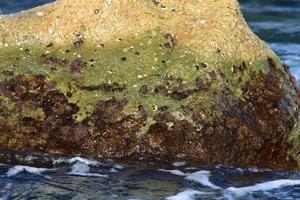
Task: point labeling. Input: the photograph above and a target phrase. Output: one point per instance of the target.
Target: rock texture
(145, 80)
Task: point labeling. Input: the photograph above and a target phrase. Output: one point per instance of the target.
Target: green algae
(144, 61)
(294, 139)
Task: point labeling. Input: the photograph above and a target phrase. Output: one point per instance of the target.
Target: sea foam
(18, 169)
(202, 177)
(86, 161)
(82, 169)
(271, 185)
(188, 194)
(116, 168)
(179, 164)
(174, 172)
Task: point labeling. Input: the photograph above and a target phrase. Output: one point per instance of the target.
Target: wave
(116, 168)
(31, 170)
(82, 169)
(89, 162)
(179, 164)
(188, 194)
(266, 186)
(202, 177)
(174, 172)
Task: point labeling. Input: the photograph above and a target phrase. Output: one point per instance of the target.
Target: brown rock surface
(145, 80)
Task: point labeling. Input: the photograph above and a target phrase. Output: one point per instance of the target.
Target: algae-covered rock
(145, 79)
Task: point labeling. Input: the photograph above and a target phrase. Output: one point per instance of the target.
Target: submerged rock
(145, 80)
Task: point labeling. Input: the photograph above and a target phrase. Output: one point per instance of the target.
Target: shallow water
(277, 22)
(82, 178)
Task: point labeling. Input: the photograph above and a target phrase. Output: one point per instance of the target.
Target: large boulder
(147, 79)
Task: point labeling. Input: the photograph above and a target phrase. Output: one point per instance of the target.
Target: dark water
(12, 6)
(278, 23)
(81, 178)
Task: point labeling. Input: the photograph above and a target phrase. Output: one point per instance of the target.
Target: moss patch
(147, 61)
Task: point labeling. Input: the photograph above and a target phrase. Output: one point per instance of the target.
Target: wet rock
(180, 94)
(76, 134)
(209, 131)
(164, 118)
(21, 87)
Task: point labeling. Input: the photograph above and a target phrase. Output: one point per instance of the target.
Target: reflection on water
(275, 21)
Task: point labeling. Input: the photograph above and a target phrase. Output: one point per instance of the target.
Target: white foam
(191, 168)
(82, 169)
(174, 172)
(29, 158)
(18, 169)
(135, 199)
(188, 194)
(86, 161)
(271, 185)
(202, 177)
(119, 167)
(179, 164)
(116, 168)
(113, 170)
